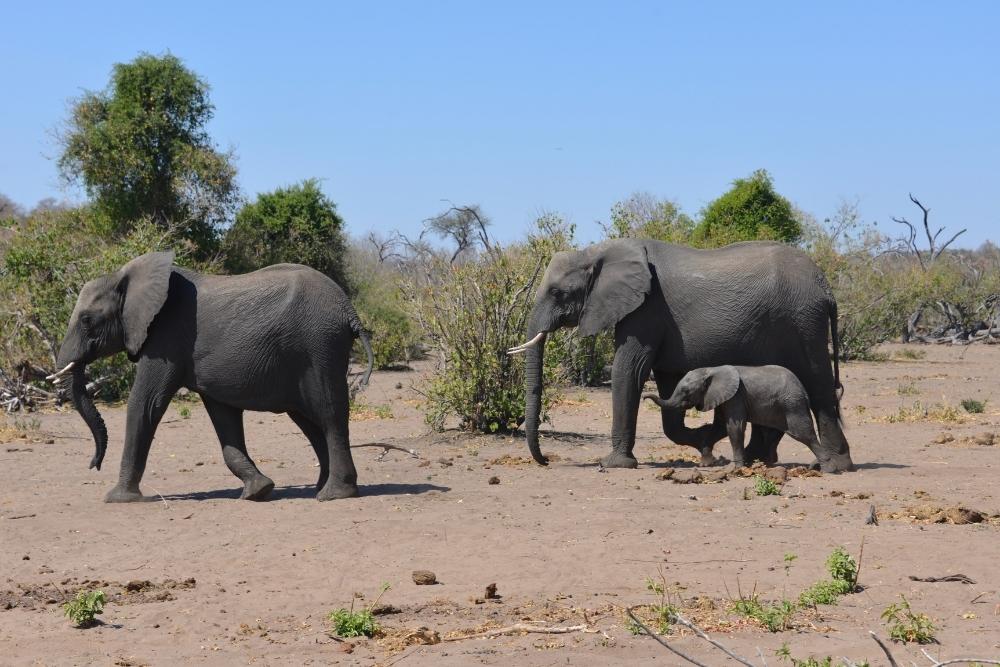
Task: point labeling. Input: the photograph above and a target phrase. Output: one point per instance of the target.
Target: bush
(44, 266)
(973, 406)
(350, 623)
(907, 626)
(84, 608)
(750, 210)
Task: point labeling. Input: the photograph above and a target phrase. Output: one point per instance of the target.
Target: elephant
(277, 339)
(769, 396)
(675, 309)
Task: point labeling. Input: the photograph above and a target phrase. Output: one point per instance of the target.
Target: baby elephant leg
(736, 426)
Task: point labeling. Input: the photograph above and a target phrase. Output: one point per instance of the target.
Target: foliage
(776, 616)
(644, 216)
(350, 623)
(85, 607)
(750, 210)
(297, 224)
(843, 571)
(42, 270)
(765, 487)
(973, 406)
(142, 151)
(907, 626)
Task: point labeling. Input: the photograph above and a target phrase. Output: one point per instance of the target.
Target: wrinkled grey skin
(674, 309)
(769, 396)
(275, 340)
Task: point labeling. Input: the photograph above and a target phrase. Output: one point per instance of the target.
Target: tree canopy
(297, 224)
(750, 209)
(141, 150)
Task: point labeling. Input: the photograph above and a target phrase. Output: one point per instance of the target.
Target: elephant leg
(342, 478)
(629, 372)
(702, 438)
(736, 427)
(228, 423)
(318, 441)
(763, 445)
(154, 386)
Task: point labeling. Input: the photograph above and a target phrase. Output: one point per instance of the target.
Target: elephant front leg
(228, 423)
(736, 427)
(151, 393)
(629, 372)
(702, 438)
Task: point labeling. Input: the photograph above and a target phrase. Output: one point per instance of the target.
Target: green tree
(645, 216)
(296, 224)
(141, 150)
(749, 210)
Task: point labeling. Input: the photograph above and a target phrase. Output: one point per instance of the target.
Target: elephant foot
(123, 495)
(709, 459)
(332, 491)
(836, 463)
(619, 460)
(258, 488)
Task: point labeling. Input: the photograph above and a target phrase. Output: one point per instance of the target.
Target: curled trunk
(534, 357)
(84, 404)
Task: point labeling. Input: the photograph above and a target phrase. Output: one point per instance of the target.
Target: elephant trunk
(84, 404)
(534, 356)
(662, 402)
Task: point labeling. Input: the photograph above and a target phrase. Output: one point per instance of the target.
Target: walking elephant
(275, 340)
(675, 309)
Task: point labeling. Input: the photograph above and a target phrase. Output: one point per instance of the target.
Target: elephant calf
(277, 340)
(768, 396)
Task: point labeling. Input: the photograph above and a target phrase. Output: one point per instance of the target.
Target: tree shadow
(299, 491)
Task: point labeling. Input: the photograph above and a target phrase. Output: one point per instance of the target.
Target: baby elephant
(769, 396)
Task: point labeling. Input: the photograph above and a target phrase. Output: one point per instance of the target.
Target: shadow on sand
(309, 491)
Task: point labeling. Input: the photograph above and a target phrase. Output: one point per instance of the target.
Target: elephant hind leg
(228, 423)
(332, 417)
(318, 442)
(763, 445)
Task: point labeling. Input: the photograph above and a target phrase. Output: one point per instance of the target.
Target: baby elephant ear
(143, 283)
(722, 385)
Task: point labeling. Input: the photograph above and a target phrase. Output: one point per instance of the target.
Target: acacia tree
(750, 209)
(296, 224)
(141, 150)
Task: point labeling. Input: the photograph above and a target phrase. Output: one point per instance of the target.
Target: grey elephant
(275, 340)
(769, 396)
(674, 309)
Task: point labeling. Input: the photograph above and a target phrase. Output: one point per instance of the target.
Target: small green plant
(765, 487)
(907, 626)
(909, 389)
(785, 654)
(663, 609)
(908, 353)
(776, 616)
(350, 623)
(843, 571)
(83, 609)
(184, 411)
(973, 406)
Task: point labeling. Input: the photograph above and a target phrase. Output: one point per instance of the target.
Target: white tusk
(58, 374)
(524, 347)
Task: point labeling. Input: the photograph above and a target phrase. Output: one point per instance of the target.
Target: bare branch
(885, 649)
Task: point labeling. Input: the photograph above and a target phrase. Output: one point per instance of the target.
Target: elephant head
(591, 289)
(112, 313)
(703, 389)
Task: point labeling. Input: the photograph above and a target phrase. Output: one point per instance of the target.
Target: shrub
(84, 608)
(843, 571)
(751, 209)
(907, 626)
(776, 617)
(973, 406)
(765, 487)
(350, 623)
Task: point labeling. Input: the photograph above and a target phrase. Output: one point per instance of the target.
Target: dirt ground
(198, 576)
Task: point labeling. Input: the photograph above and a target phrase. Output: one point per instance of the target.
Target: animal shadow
(299, 491)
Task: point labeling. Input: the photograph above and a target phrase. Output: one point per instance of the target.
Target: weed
(919, 412)
(907, 389)
(663, 609)
(843, 571)
(786, 656)
(765, 487)
(364, 411)
(973, 406)
(26, 425)
(184, 411)
(907, 626)
(350, 623)
(907, 353)
(773, 616)
(85, 607)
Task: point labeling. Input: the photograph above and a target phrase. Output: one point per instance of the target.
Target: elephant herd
(741, 329)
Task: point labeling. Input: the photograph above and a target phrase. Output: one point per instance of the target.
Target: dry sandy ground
(566, 545)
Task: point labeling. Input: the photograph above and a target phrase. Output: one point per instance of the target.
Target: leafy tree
(643, 215)
(750, 210)
(141, 149)
(297, 224)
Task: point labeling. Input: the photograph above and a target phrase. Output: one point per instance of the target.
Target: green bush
(45, 264)
(905, 625)
(84, 608)
(750, 210)
(973, 406)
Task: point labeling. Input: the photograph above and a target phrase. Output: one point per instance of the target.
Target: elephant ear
(620, 282)
(722, 385)
(143, 283)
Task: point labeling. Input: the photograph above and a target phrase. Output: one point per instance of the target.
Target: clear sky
(524, 107)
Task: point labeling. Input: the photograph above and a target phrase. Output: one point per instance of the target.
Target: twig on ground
(701, 633)
(523, 627)
(386, 447)
(885, 649)
(961, 578)
(857, 570)
(664, 644)
(955, 661)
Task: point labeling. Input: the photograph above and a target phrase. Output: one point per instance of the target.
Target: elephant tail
(837, 386)
(359, 332)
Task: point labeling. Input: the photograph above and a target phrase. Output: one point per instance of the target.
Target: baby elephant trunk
(663, 402)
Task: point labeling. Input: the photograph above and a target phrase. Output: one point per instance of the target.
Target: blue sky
(558, 106)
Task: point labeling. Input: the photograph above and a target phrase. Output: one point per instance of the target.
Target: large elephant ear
(722, 385)
(144, 283)
(619, 284)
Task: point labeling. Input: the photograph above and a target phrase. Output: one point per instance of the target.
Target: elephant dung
(665, 474)
(424, 578)
(711, 476)
(776, 474)
(686, 476)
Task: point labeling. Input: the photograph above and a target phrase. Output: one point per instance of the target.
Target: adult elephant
(277, 340)
(675, 309)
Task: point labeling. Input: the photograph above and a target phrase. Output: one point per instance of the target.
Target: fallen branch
(961, 578)
(664, 644)
(701, 633)
(955, 661)
(885, 649)
(523, 627)
(386, 447)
